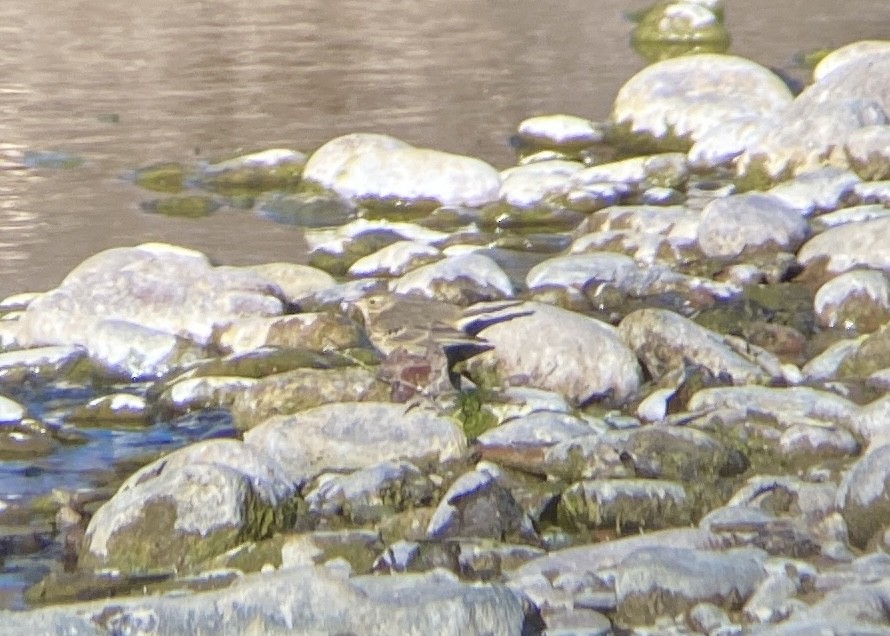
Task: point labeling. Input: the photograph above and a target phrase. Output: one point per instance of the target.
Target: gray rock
(371, 166)
(586, 457)
(785, 406)
(537, 184)
(625, 504)
(314, 331)
(359, 548)
(593, 362)
(665, 341)
(667, 170)
(156, 286)
(665, 581)
(116, 409)
(371, 493)
(872, 422)
(859, 299)
(559, 131)
(463, 280)
(817, 442)
(818, 191)
(744, 224)
(868, 151)
(864, 497)
(476, 505)
(685, 97)
(294, 280)
(11, 412)
(750, 526)
(205, 392)
(39, 363)
(301, 389)
(308, 601)
(825, 366)
(395, 260)
(355, 435)
(854, 52)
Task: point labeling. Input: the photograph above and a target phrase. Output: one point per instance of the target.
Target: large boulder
(377, 167)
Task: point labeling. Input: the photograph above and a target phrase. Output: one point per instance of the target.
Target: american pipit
(423, 339)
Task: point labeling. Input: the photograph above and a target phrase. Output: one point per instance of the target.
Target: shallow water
(123, 85)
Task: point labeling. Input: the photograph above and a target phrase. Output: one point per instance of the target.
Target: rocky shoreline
(674, 418)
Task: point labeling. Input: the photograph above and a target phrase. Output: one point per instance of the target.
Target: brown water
(195, 80)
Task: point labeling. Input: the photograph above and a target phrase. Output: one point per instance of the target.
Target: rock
(476, 505)
(522, 442)
(315, 331)
(872, 422)
(675, 102)
(564, 132)
(854, 52)
(40, 363)
(11, 412)
(117, 409)
(306, 209)
(816, 442)
(358, 547)
(127, 350)
(593, 362)
(586, 457)
(307, 600)
(463, 280)
(740, 524)
(295, 281)
(665, 341)
(670, 29)
(395, 260)
(818, 191)
(275, 168)
(862, 497)
(203, 393)
(537, 184)
(154, 286)
(748, 223)
(857, 300)
(376, 167)
(355, 435)
(785, 406)
(301, 389)
(825, 366)
(868, 152)
(862, 76)
(869, 357)
(371, 493)
(666, 170)
(655, 582)
(626, 505)
(189, 506)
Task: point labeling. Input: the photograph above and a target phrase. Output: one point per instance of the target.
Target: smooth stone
(486, 560)
(786, 406)
(187, 508)
(302, 389)
(578, 622)
(740, 524)
(625, 505)
(675, 224)
(665, 341)
(462, 280)
(854, 52)
(773, 600)
(586, 457)
(18, 302)
(371, 493)
(863, 497)
(855, 214)
(355, 435)
(666, 581)
(476, 505)
(205, 392)
(861, 76)
(133, 351)
(156, 286)
(263, 159)
(306, 600)
(372, 166)
(522, 442)
(825, 365)
(858, 300)
(40, 362)
(538, 183)
(874, 196)
(557, 131)
(295, 281)
(747, 223)
(315, 331)
(869, 357)
(818, 191)
(321, 547)
(666, 170)
(685, 97)
(117, 408)
(868, 151)
(11, 412)
(395, 260)
(816, 442)
(673, 453)
(593, 362)
(872, 422)
(337, 240)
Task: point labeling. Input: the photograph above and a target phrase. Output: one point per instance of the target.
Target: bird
(423, 339)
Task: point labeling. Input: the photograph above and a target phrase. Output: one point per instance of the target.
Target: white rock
(11, 412)
(530, 185)
(295, 281)
(818, 191)
(134, 351)
(370, 166)
(854, 245)
(854, 52)
(461, 279)
(859, 299)
(395, 259)
(560, 130)
(743, 223)
(687, 96)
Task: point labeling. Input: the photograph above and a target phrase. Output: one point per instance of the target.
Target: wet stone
(39, 363)
(857, 300)
(462, 280)
(862, 497)
(395, 260)
(112, 410)
(313, 331)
